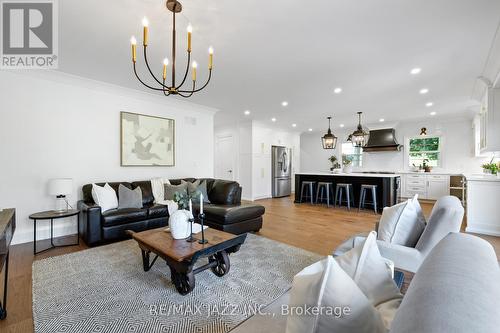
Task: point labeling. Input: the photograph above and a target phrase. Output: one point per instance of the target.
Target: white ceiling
(298, 51)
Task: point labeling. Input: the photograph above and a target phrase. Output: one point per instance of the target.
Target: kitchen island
(388, 184)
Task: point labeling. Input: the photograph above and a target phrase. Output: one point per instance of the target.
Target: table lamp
(60, 187)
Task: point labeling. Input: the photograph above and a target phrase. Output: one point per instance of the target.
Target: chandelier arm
(199, 89)
(138, 78)
(150, 71)
(187, 71)
(190, 92)
(165, 91)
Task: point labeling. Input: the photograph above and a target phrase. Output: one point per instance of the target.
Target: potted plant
(490, 168)
(179, 220)
(335, 164)
(425, 166)
(347, 163)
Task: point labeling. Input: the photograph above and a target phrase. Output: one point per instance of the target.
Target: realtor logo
(29, 34)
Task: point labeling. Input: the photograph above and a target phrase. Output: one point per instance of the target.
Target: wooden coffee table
(181, 255)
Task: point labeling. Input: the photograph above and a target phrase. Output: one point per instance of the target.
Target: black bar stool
(320, 192)
(341, 187)
(362, 196)
(308, 188)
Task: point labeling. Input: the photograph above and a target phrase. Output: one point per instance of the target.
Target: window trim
(360, 154)
(440, 151)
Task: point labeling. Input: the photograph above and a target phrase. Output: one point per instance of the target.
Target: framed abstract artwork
(147, 140)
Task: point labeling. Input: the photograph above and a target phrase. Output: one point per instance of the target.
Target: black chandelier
(172, 89)
(360, 136)
(329, 140)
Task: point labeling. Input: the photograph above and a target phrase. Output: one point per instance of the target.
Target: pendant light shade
(329, 140)
(360, 136)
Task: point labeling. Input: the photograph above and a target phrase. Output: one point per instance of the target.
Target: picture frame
(146, 140)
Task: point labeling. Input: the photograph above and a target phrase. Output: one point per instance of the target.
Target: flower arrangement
(335, 164)
(182, 198)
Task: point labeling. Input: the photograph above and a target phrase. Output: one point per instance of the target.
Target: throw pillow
(158, 188)
(388, 221)
(170, 190)
(200, 186)
(105, 197)
(370, 271)
(420, 213)
(128, 198)
(408, 229)
(325, 286)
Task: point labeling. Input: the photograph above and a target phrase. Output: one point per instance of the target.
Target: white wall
(252, 154)
(54, 125)
(457, 151)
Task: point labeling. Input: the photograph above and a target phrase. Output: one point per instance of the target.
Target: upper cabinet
(487, 124)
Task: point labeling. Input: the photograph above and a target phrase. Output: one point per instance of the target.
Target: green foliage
(335, 164)
(493, 167)
(182, 199)
(346, 159)
(424, 144)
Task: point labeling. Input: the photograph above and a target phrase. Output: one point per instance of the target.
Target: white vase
(348, 168)
(179, 224)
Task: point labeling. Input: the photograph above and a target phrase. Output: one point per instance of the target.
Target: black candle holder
(191, 239)
(202, 221)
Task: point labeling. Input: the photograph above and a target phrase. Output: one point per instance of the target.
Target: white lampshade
(60, 186)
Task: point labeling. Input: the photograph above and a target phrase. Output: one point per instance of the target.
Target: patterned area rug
(105, 289)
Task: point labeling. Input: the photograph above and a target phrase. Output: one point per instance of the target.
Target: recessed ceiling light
(424, 91)
(433, 113)
(381, 120)
(415, 71)
(429, 104)
(337, 90)
(273, 119)
(284, 103)
(247, 112)
(294, 125)
(342, 125)
(310, 130)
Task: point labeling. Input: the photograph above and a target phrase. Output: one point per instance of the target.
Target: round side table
(53, 215)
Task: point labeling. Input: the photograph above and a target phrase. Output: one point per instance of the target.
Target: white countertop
(430, 173)
(482, 177)
(353, 174)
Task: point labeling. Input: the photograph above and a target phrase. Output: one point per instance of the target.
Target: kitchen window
(355, 154)
(425, 149)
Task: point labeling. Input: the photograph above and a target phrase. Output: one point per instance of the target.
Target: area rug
(105, 289)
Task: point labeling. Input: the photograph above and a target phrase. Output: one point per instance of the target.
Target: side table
(53, 215)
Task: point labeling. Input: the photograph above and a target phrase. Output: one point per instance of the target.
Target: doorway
(224, 157)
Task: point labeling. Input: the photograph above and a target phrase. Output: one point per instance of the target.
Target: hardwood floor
(314, 228)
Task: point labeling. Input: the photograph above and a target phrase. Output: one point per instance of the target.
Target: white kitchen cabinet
(483, 209)
(427, 186)
(489, 122)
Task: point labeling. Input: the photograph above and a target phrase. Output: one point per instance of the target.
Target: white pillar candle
(201, 203)
(191, 207)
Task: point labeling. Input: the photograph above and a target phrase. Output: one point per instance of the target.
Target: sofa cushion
(105, 197)
(157, 210)
(229, 214)
(326, 285)
(224, 192)
(129, 198)
(170, 190)
(87, 190)
(123, 216)
(199, 186)
(401, 224)
(147, 192)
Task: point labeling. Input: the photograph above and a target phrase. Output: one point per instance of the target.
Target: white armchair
(446, 216)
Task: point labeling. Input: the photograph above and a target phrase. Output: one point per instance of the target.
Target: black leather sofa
(225, 212)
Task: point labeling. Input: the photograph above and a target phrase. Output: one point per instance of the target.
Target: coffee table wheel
(223, 265)
(184, 283)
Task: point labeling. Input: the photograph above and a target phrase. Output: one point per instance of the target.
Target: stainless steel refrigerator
(281, 171)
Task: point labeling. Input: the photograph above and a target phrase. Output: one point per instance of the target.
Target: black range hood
(382, 140)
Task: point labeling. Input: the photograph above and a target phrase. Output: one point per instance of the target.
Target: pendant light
(360, 136)
(329, 140)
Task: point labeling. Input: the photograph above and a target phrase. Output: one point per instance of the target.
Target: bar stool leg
(311, 190)
(351, 188)
(302, 192)
(374, 194)
(340, 193)
(327, 195)
(348, 193)
(361, 199)
(317, 194)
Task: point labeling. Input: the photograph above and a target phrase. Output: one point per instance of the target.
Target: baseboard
(484, 230)
(261, 197)
(43, 232)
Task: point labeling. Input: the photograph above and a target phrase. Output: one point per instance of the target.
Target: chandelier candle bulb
(133, 42)
(190, 31)
(165, 64)
(210, 57)
(145, 23)
(195, 65)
